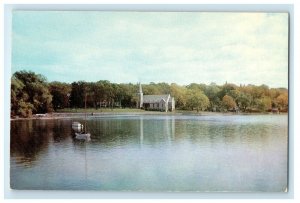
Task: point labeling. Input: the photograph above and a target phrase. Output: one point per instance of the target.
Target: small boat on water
(83, 134)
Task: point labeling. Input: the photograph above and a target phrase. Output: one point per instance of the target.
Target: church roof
(155, 98)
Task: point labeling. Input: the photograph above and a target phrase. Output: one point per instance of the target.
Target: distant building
(155, 102)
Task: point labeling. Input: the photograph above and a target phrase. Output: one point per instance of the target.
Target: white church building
(155, 102)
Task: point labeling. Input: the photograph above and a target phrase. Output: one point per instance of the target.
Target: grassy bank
(100, 110)
(73, 113)
(141, 111)
(128, 110)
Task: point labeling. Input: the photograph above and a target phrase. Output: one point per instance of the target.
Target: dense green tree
(234, 94)
(263, 104)
(163, 88)
(129, 95)
(196, 87)
(212, 91)
(244, 101)
(61, 93)
(258, 92)
(93, 94)
(15, 95)
(32, 93)
(19, 107)
(78, 92)
(179, 93)
(228, 102)
(151, 88)
(106, 92)
(282, 101)
(25, 109)
(197, 100)
(225, 89)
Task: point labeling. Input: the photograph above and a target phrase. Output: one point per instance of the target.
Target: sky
(171, 47)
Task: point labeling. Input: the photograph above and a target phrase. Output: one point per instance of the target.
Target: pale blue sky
(180, 47)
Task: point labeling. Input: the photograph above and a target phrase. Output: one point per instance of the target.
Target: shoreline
(69, 115)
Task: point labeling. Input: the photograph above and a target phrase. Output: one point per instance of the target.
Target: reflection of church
(163, 132)
(155, 102)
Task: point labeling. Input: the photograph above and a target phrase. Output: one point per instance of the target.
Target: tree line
(32, 94)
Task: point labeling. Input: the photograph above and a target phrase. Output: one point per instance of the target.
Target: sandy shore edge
(107, 114)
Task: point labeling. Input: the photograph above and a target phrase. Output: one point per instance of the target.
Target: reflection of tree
(30, 138)
(151, 131)
(61, 130)
(112, 131)
(229, 133)
(27, 140)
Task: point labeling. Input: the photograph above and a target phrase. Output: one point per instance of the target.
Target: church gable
(162, 102)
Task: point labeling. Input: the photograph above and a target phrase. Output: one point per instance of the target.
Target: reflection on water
(152, 153)
(31, 137)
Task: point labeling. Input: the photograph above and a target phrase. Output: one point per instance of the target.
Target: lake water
(152, 153)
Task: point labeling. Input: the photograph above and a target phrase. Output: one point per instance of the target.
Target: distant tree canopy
(31, 93)
(61, 93)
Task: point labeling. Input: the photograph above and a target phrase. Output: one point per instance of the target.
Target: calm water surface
(152, 153)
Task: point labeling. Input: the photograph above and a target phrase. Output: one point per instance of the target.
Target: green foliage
(178, 92)
(30, 93)
(78, 94)
(24, 109)
(228, 102)
(196, 87)
(226, 88)
(212, 91)
(234, 94)
(152, 88)
(263, 104)
(61, 93)
(244, 101)
(16, 94)
(197, 100)
(282, 101)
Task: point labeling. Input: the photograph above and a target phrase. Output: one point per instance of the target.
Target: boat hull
(83, 136)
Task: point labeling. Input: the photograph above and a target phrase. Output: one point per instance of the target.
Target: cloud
(180, 47)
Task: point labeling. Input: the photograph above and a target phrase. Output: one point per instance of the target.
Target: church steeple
(140, 94)
(140, 89)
